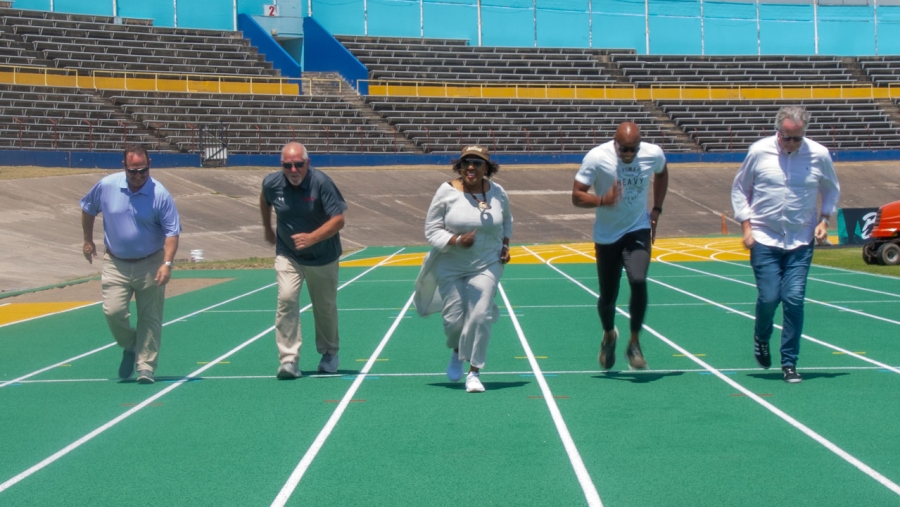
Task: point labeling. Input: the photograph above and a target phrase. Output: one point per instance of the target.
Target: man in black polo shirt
(310, 212)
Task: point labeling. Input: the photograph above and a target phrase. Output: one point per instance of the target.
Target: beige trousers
(322, 282)
(120, 281)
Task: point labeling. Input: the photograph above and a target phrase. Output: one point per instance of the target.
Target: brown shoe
(635, 357)
(607, 356)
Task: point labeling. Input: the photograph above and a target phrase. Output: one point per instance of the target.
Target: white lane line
(884, 481)
(493, 373)
(78, 443)
(584, 478)
(288, 489)
(81, 441)
(829, 305)
(49, 314)
(108, 345)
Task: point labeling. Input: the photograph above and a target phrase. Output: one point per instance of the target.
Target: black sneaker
(607, 356)
(790, 375)
(635, 357)
(761, 353)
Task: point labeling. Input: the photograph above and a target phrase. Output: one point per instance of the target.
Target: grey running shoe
(607, 356)
(635, 357)
(454, 367)
(288, 371)
(145, 377)
(790, 375)
(329, 363)
(126, 367)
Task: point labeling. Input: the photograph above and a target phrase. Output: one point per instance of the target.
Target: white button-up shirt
(777, 192)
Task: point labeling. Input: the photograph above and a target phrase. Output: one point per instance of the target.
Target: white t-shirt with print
(601, 168)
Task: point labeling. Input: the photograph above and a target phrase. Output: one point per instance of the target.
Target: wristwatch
(168, 264)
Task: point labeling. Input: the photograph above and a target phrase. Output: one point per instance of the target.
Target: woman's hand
(504, 254)
(466, 240)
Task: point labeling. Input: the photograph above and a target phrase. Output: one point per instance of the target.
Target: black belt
(132, 260)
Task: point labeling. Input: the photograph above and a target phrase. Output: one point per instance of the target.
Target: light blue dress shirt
(135, 224)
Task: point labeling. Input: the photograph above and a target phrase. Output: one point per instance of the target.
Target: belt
(132, 260)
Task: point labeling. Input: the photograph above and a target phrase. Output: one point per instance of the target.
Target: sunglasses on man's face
(288, 165)
(140, 170)
(474, 162)
(792, 139)
(628, 149)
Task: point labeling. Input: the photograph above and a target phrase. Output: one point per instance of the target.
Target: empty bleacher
(882, 70)
(257, 123)
(442, 125)
(97, 43)
(648, 70)
(411, 59)
(734, 125)
(68, 119)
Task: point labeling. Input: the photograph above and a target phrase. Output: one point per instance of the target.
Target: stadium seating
(644, 70)
(734, 125)
(882, 70)
(516, 125)
(392, 58)
(97, 43)
(68, 119)
(258, 123)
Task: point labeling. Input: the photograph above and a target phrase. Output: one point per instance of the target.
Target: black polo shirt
(304, 208)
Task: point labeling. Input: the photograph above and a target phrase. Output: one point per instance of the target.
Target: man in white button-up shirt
(774, 198)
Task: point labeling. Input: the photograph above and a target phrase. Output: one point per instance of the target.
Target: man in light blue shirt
(140, 233)
(774, 198)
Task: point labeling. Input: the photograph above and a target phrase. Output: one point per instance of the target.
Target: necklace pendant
(483, 206)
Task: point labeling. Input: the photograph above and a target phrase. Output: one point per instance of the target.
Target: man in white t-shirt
(620, 172)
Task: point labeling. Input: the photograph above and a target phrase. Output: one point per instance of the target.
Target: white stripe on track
(108, 345)
(288, 489)
(884, 481)
(584, 478)
(78, 443)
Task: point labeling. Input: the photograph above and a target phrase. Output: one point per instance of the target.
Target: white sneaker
(455, 367)
(329, 363)
(288, 371)
(473, 383)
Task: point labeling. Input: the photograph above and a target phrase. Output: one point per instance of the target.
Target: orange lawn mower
(885, 245)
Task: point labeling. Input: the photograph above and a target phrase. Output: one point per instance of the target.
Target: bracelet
(504, 246)
(657, 209)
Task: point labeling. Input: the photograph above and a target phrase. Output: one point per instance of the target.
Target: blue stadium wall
(667, 27)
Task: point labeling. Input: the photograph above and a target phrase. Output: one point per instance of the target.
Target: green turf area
(677, 434)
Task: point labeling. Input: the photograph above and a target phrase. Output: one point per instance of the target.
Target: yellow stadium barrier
(384, 88)
(149, 81)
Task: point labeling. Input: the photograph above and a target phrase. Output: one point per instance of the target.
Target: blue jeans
(781, 278)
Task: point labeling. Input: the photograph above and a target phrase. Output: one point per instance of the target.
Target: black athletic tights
(633, 252)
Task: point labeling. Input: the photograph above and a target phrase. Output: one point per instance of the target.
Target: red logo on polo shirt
(309, 199)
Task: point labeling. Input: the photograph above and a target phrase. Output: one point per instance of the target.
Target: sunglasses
(628, 149)
(288, 165)
(792, 139)
(140, 170)
(474, 162)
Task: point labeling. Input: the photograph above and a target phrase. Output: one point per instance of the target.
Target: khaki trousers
(121, 280)
(322, 282)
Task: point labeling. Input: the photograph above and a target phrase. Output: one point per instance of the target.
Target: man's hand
(270, 235)
(302, 240)
(89, 251)
(821, 231)
(466, 240)
(163, 274)
(612, 196)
